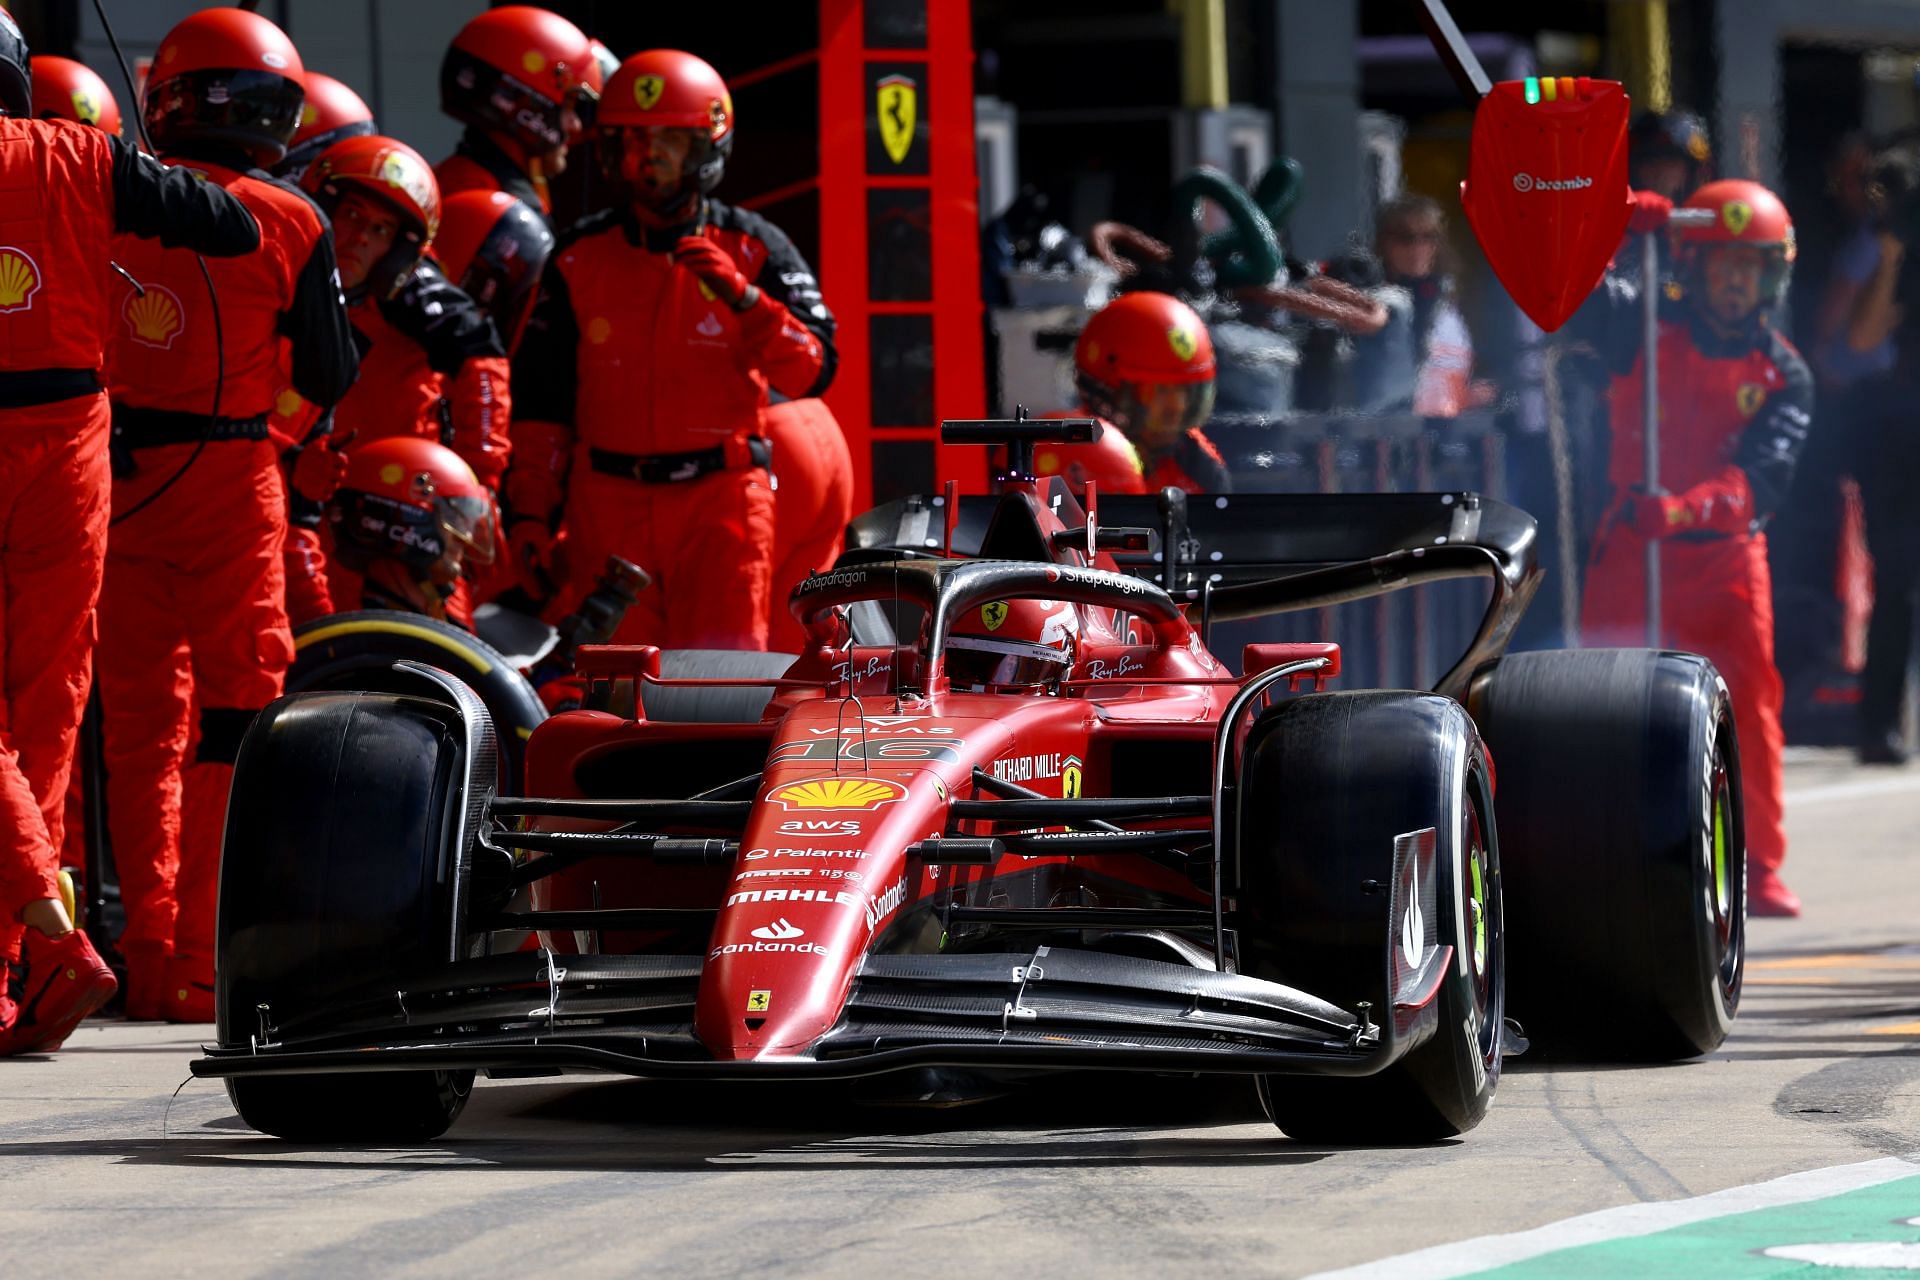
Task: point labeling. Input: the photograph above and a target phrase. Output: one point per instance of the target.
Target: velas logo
(19, 279)
(154, 319)
(994, 615)
(1182, 342)
(1738, 215)
(898, 100)
(1528, 182)
(837, 793)
(647, 91)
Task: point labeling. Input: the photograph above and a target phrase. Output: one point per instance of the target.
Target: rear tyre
(1330, 782)
(1620, 818)
(344, 838)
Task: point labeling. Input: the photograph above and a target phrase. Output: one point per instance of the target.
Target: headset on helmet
(512, 72)
(332, 112)
(67, 90)
(225, 76)
(494, 247)
(1145, 364)
(1745, 213)
(1020, 644)
(394, 173)
(666, 88)
(413, 501)
(16, 69)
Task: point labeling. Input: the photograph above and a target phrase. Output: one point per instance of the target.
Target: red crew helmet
(16, 77)
(1745, 213)
(1145, 363)
(1022, 644)
(394, 173)
(332, 112)
(225, 76)
(513, 72)
(494, 247)
(67, 90)
(415, 501)
(666, 89)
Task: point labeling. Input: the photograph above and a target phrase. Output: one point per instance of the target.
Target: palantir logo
(778, 931)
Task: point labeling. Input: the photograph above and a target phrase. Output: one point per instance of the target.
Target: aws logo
(19, 279)
(154, 319)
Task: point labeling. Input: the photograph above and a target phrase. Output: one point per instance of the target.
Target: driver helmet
(67, 90)
(411, 500)
(1013, 644)
(1745, 213)
(1145, 364)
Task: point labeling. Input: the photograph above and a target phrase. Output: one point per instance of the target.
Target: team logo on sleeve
(1749, 398)
(154, 318)
(19, 279)
(899, 99)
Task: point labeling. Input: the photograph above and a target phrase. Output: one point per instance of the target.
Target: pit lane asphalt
(105, 1170)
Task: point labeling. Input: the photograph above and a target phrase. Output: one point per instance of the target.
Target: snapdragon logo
(1527, 182)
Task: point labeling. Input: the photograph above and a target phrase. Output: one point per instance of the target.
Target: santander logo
(779, 931)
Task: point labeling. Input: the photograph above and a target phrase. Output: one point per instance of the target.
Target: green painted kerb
(1734, 1246)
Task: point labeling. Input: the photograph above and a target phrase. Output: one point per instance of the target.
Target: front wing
(1050, 1008)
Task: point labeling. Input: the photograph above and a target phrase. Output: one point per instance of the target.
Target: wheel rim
(1720, 835)
(1483, 959)
(1726, 859)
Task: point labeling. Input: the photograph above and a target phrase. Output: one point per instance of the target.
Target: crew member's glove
(318, 471)
(1651, 210)
(716, 270)
(1723, 505)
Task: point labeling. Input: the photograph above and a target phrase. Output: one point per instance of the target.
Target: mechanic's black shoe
(1884, 748)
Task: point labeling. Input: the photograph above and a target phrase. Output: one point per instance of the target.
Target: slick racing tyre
(1333, 784)
(1620, 820)
(338, 880)
(358, 650)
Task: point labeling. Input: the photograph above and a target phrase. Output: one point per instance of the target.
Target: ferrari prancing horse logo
(1749, 398)
(647, 91)
(1182, 343)
(994, 614)
(898, 98)
(1736, 214)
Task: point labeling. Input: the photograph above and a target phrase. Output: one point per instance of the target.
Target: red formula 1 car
(856, 867)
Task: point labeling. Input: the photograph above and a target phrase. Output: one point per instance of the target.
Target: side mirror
(1546, 190)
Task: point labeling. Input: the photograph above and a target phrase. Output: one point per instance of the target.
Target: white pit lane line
(1484, 1253)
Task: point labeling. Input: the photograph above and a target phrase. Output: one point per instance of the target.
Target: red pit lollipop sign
(1546, 190)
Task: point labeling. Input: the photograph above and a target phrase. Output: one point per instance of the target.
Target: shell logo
(599, 329)
(647, 90)
(533, 61)
(287, 403)
(392, 473)
(154, 319)
(19, 279)
(838, 793)
(308, 115)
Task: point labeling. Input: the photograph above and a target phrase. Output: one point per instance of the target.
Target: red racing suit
(1734, 414)
(812, 502)
(65, 191)
(1115, 466)
(431, 365)
(641, 409)
(199, 567)
(479, 163)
